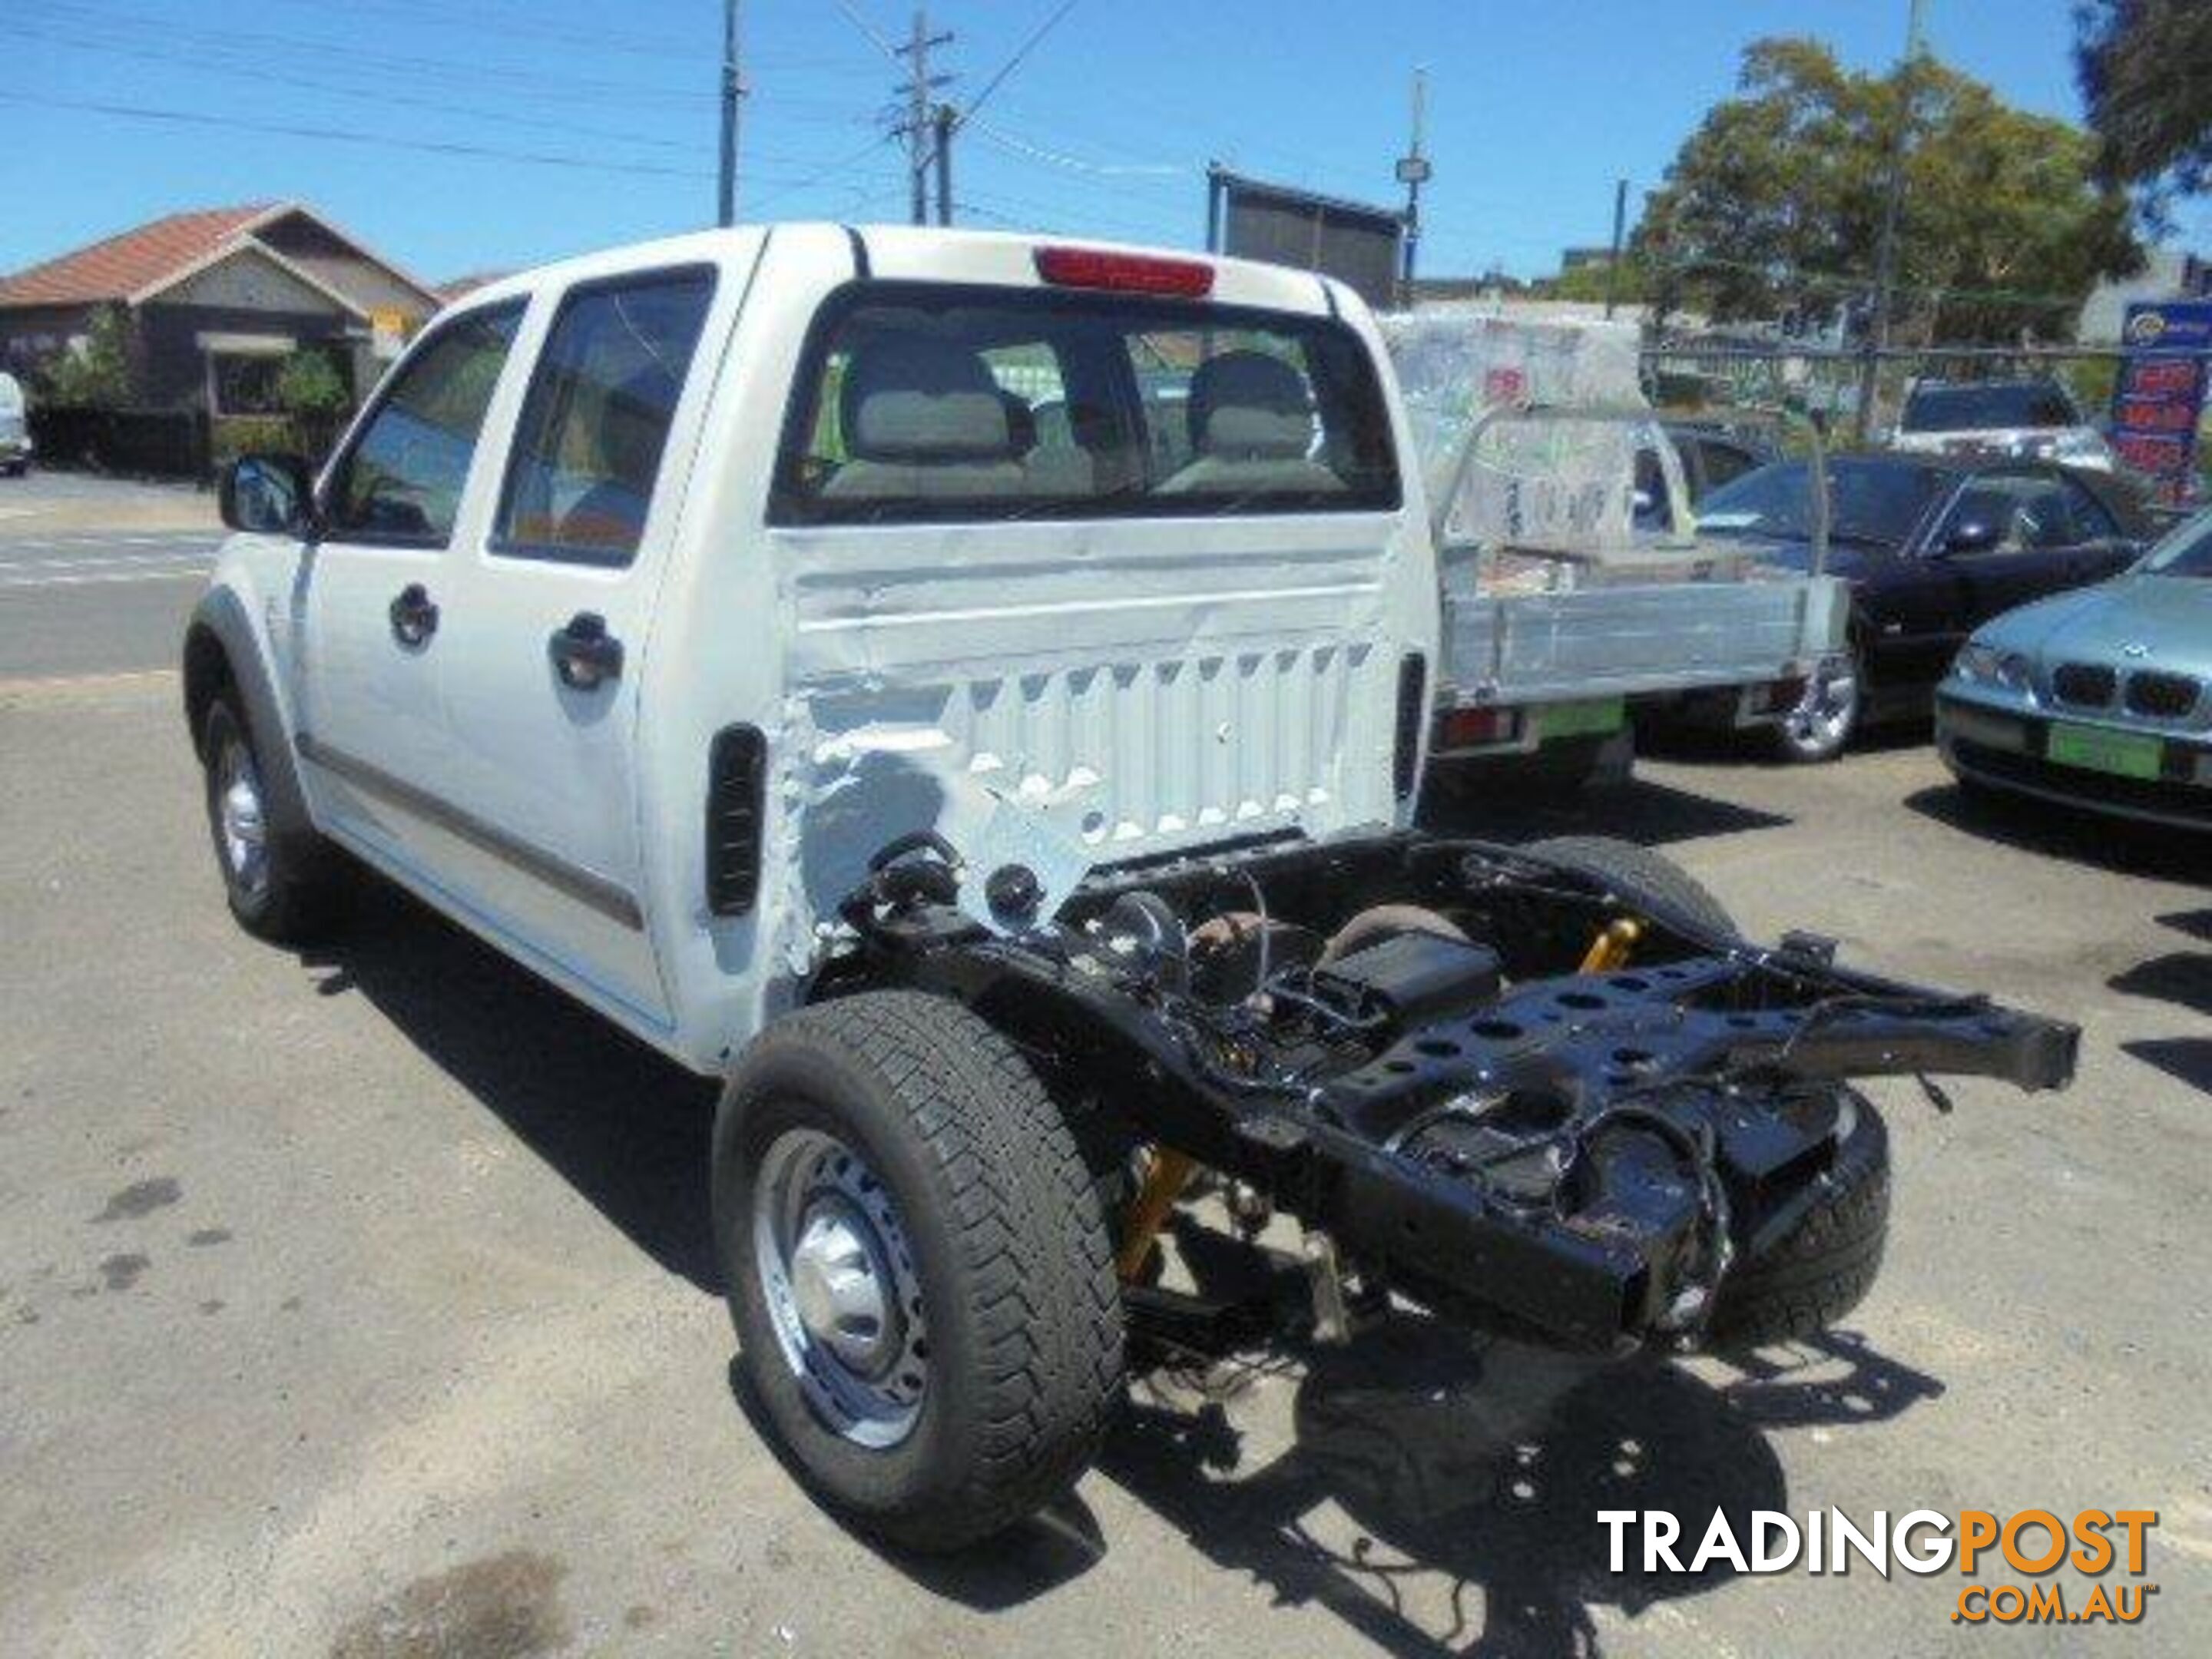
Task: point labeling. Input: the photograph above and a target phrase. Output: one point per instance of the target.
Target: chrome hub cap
(241, 818)
(838, 1278)
(1824, 715)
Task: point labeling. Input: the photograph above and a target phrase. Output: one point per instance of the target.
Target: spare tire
(1639, 876)
(1823, 1265)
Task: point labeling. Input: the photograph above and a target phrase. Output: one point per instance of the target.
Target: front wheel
(1826, 716)
(917, 1265)
(281, 886)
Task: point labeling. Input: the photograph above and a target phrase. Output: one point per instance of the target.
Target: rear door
(376, 587)
(545, 631)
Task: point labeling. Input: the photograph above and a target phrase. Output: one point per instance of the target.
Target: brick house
(216, 299)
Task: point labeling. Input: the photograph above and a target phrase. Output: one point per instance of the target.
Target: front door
(545, 628)
(375, 587)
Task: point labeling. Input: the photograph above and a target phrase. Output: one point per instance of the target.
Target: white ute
(967, 691)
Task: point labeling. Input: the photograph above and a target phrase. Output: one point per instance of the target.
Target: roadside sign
(388, 333)
(2159, 395)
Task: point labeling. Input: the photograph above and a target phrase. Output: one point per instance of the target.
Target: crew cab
(1015, 812)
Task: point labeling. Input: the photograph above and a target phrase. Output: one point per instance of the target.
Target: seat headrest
(917, 399)
(1246, 405)
(1021, 422)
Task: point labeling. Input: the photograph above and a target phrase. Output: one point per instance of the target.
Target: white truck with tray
(808, 647)
(1566, 599)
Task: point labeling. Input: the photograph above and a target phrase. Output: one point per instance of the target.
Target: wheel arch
(222, 652)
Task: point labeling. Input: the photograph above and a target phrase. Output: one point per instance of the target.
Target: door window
(1724, 462)
(401, 482)
(2025, 514)
(2092, 521)
(587, 449)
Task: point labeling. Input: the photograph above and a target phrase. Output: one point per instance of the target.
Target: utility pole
(947, 118)
(1620, 228)
(733, 89)
(1413, 171)
(919, 84)
(1893, 207)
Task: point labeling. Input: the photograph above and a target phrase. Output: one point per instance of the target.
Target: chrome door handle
(583, 653)
(414, 616)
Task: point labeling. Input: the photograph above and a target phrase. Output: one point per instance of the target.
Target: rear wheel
(1639, 877)
(917, 1265)
(1827, 717)
(1822, 1267)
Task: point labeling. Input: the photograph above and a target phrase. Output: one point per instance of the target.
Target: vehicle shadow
(1641, 810)
(2057, 831)
(627, 1128)
(2183, 980)
(1439, 1492)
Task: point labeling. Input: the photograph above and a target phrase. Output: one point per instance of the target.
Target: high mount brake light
(1127, 273)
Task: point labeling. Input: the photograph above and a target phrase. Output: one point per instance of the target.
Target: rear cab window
(920, 402)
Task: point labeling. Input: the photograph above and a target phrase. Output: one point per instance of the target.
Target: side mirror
(1971, 536)
(268, 496)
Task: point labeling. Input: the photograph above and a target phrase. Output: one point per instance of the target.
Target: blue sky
(1105, 129)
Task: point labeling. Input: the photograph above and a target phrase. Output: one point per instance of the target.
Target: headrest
(918, 399)
(1021, 422)
(1246, 405)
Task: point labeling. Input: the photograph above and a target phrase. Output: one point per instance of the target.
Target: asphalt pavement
(359, 1300)
(97, 575)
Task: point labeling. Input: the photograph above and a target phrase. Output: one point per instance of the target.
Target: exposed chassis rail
(1581, 1153)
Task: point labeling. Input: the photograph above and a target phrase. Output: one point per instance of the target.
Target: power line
(478, 73)
(368, 140)
(246, 71)
(1022, 51)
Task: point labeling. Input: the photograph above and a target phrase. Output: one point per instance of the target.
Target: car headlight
(1983, 663)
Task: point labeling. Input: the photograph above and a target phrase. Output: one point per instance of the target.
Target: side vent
(1413, 712)
(737, 770)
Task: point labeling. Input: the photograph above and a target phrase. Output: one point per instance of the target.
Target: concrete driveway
(359, 1302)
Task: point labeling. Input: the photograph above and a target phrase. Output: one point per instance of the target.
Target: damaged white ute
(969, 692)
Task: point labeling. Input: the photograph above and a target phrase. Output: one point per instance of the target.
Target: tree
(1773, 207)
(308, 384)
(96, 374)
(2145, 67)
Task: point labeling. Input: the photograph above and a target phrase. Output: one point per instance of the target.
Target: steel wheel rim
(836, 1275)
(241, 819)
(1825, 714)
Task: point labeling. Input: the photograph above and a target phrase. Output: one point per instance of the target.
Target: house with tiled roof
(215, 300)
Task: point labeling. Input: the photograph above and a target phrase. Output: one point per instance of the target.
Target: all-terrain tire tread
(1637, 873)
(1036, 1260)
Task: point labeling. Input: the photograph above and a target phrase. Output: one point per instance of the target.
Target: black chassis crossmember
(1483, 1126)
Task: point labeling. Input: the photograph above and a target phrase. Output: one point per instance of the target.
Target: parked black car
(1933, 546)
(1712, 453)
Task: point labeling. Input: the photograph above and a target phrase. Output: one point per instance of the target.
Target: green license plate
(2123, 754)
(1582, 719)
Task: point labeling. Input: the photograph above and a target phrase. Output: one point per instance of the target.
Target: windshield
(922, 402)
(1981, 408)
(2186, 550)
(1868, 500)
(11, 396)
